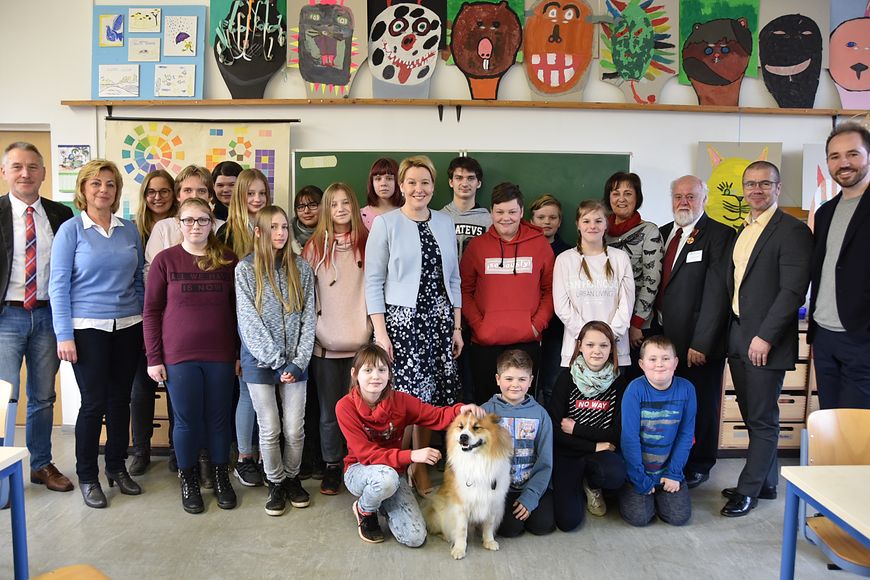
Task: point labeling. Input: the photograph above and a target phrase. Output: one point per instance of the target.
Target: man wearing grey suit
(768, 284)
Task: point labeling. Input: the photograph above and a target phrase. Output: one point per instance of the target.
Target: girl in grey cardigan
(275, 306)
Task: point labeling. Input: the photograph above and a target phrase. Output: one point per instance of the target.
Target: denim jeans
(265, 403)
(640, 510)
(30, 336)
(245, 419)
(381, 488)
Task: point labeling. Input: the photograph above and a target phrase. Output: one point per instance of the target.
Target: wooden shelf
(461, 103)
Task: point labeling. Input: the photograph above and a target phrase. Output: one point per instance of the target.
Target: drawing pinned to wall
(179, 36)
(849, 61)
(250, 43)
(721, 165)
(119, 80)
(557, 48)
(143, 49)
(818, 187)
(70, 159)
(326, 44)
(638, 53)
(790, 52)
(403, 51)
(174, 80)
(375, 8)
(111, 30)
(484, 42)
(453, 8)
(144, 19)
(719, 47)
(139, 147)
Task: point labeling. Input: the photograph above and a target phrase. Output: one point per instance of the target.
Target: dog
(476, 481)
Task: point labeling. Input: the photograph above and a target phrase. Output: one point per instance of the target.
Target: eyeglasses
(766, 185)
(158, 192)
(203, 221)
(312, 205)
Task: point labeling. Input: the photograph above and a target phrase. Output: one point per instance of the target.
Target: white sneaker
(594, 500)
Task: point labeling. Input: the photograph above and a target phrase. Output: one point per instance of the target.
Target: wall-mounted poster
(818, 186)
(850, 62)
(721, 165)
(144, 38)
(790, 49)
(139, 147)
(403, 51)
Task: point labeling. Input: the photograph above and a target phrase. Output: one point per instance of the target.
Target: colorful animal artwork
(377, 7)
(403, 51)
(484, 42)
(250, 44)
(324, 46)
(790, 52)
(721, 165)
(849, 62)
(557, 47)
(637, 51)
(111, 30)
(715, 57)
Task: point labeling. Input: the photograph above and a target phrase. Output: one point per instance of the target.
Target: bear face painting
(484, 41)
(715, 56)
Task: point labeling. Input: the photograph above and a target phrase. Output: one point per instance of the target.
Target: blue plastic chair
(8, 411)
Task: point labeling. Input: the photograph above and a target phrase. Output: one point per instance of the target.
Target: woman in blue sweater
(96, 295)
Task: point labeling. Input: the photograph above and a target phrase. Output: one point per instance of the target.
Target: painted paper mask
(403, 50)
(557, 45)
(849, 62)
(790, 48)
(715, 57)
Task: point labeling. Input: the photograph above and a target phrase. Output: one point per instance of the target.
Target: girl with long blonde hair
(275, 307)
(250, 194)
(593, 282)
(191, 344)
(336, 252)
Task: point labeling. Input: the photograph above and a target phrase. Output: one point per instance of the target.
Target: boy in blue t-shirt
(529, 502)
(658, 425)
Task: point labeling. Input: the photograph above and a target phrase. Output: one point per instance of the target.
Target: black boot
(191, 497)
(124, 481)
(139, 464)
(223, 489)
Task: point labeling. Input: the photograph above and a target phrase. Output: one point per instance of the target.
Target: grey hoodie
(275, 341)
(469, 224)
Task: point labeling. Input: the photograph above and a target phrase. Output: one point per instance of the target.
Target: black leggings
(539, 522)
(602, 470)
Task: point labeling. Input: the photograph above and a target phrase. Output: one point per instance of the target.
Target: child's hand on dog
(520, 511)
(425, 455)
(478, 411)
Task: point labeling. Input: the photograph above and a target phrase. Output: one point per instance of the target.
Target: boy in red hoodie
(507, 298)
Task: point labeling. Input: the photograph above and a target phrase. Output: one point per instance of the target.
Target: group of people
(603, 359)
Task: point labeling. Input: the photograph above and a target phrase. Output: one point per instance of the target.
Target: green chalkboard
(570, 177)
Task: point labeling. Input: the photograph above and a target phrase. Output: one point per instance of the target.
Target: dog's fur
(476, 481)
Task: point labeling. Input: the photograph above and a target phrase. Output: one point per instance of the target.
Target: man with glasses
(692, 306)
(767, 285)
(28, 223)
(840, 300)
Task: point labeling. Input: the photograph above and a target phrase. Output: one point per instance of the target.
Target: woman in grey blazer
(413, 296)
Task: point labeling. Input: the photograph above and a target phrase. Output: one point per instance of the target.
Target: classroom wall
(47, 58)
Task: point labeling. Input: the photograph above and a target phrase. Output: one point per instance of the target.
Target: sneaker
(205, 472)
(298, 497)
(318, 470)
(368, 526)
(594, 500)
(277, 502)
(248, 473)
(331, 484)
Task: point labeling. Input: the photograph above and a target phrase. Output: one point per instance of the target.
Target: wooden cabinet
(160, 438)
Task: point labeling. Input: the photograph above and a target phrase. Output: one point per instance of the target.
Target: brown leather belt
(20, 304)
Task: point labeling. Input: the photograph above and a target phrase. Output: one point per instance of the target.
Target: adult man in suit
(28, 224)
(768, 284)
(840, 299)
(692, 304)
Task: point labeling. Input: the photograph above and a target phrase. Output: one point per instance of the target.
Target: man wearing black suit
(693, 311)
(28, 224)
(768, 284)
(840, 299)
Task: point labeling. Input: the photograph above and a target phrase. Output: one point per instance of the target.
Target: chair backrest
(5, 393)
(839, 437)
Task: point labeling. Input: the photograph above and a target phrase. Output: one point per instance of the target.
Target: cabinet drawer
(736, 436)
(791, 407)
(161, 433)
(803, 347)
(161, 409)
(796, 378)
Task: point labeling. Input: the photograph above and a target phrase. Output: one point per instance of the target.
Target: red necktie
(668, 264)
(29, 260)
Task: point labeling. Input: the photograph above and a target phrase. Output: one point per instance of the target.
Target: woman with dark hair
(586, 424)
(96, 295)
(224, 176)
(307, 206)
(382, 193)
(642, 242)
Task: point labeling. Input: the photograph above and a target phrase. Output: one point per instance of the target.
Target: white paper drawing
(179, 36)
(119, 80)
(111, 30)
(144, 19)
(143, 50)
(174, 80)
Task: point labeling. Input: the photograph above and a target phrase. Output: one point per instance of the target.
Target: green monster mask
(633, 42)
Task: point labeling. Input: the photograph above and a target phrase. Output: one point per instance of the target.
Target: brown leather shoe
(51, 478)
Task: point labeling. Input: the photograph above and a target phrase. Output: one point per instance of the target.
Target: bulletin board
(148, 52)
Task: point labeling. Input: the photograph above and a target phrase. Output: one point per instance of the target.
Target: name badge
(694, 256)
